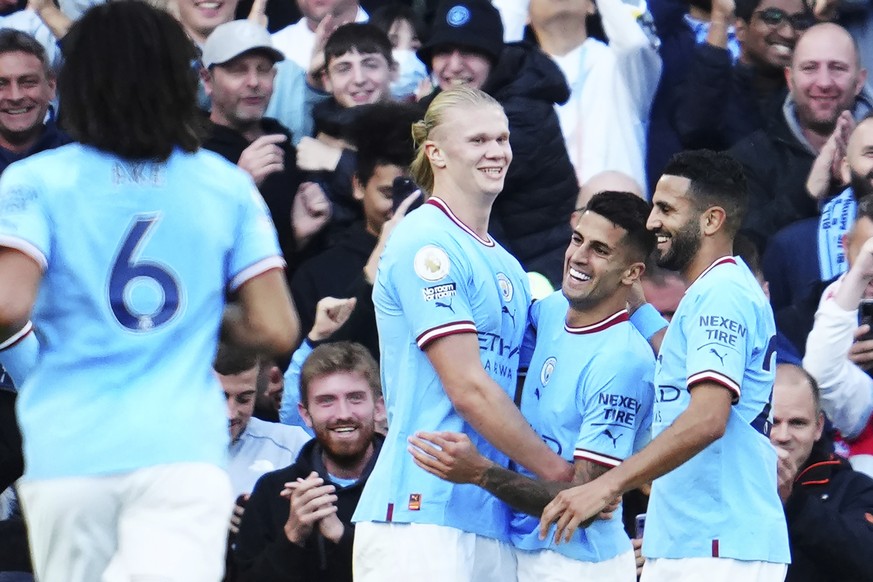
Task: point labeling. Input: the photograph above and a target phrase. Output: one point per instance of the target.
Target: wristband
(648, 321)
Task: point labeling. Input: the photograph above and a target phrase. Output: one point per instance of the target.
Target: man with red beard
(297, 524)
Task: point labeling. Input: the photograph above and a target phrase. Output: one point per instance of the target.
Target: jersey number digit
(127, 269)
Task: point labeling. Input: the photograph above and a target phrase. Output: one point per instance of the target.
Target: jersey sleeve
(529, 340)
(610, 399)
(429, 283)
(256, 247)
(24, 220)
(718, 330)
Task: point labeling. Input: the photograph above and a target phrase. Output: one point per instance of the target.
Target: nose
(779, 432)
(653, 222)
(357, 74)
(343, 409)
(252, 78)
(15, 92)
(456, 62)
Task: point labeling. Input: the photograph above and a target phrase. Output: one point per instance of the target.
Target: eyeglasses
(775, 17)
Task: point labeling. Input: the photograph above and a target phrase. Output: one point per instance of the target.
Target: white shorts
(550, 566)
(167, 523)
(711, 570)
(419, 552)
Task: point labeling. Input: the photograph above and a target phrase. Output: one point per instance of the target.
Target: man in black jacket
(828, 505)
(297, 525)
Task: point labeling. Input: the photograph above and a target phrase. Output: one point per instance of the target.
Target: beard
(683, 246)
(346, 453)
(862, 186)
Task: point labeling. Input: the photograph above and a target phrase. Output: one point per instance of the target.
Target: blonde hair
(421, 170)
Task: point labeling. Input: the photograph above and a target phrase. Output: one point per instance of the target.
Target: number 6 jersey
(137, 258)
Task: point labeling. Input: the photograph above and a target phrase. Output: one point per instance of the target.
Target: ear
(788, 79)
(325, 80)
(633, 273)
(845, 170)
(380, 416)
(357, 188)
(434, 154)
(304, 414)
(206, 77)
(819, 425)
(862, 79)
(712, 220)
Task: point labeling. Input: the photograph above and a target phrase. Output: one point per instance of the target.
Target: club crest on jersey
(505, 286)
(548, 370)
(431, 263)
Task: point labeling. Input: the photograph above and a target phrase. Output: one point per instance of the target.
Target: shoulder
(285, 436)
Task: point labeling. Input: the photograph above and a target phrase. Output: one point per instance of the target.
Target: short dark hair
(385, 16)
(744, 9)
(128, 85)
(339, 357)
(12, 40)
(630, 212)
(381, 136)
(231, 360)
(361, 37)
(717, 179)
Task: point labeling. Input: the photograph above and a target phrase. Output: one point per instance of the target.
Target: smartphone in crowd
(400, 189)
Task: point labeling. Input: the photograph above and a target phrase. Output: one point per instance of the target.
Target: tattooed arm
(451, 456)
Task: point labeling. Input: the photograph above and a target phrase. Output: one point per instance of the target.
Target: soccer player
(588, 393)
(451, 306)
(124, 425)
(714, 512)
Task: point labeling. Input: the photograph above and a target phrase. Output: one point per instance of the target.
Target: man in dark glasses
(722, 101)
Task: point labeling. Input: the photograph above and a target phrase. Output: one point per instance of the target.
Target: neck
(706, 256)
(19, 144)
(474, 211)
(584, 315)
(347, 468)
(251, 130)
(816, 140)
(198, 37)
(559, 36)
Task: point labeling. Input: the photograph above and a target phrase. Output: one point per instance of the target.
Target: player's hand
(330, 315)
(637, 544)
(263, 157)
(827, 165)
(610, 509)
(315, 156)
(310, 212)
(448, 455)
(310, 500)
(236, 517)
(387, 227)
(786, 473)
(861, 351)
(258, 13)
(574, 507)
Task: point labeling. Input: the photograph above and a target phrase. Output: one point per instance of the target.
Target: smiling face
(200, 17)
(241, 391)
(824, 77)
(359, 78)
(470, 149)
(796, 422)
(240, 90)
(766, 43)
(456, 66)
(25, 93)
(595, 263)
(342, 412)
(676, 222)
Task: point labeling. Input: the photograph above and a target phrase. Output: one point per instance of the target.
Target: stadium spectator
(153, 500)
(611, 87)
(838, 353)
(530, 215)
(827, 503)
(238, 62)
(713, 387)
(451, 306)
(383, 146)
(722, 101)
(298, 522)
(406, 32)
(200, 19)
(298, 41)
(591, 406)
(824, 80)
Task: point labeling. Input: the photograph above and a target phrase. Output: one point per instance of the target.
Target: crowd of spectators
(314, 100)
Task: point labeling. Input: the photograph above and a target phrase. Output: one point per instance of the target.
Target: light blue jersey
(588, 394)
(438, 278)
(723, 502)
(137, 259)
